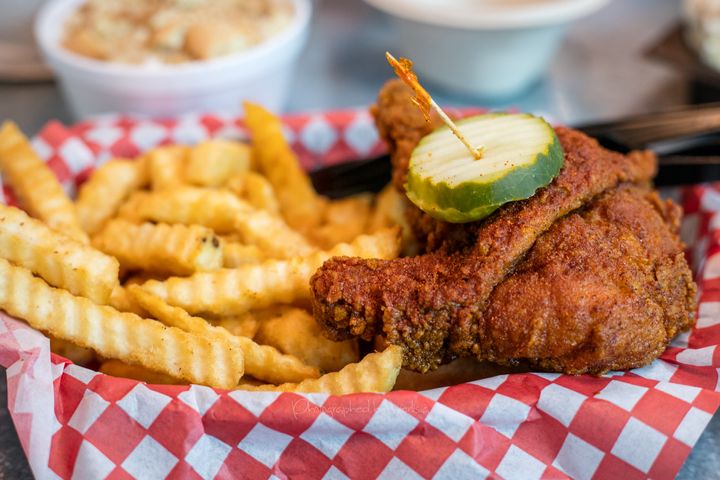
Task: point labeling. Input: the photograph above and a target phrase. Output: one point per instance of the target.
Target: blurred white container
(492, 49)
(261, 74)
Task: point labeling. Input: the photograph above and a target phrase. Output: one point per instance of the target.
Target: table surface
(599, 73)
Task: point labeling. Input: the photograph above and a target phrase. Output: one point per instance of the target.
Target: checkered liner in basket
(76, 423)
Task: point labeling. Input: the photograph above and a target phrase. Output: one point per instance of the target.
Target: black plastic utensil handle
(372, 175)
(642, 131)
(351, 178)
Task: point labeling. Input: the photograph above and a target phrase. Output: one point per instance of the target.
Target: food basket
(77, 423)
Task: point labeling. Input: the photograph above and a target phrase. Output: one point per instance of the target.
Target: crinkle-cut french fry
(116, 368)
(77, 355)
(216, 209)
(263, 362)
(158, 247)
(260, 193)
(113, 334)
(129, 209)
(329, 235)
(108, 186)
(350, 210)
(234, 291)
(166, 166)
(374, 373)
(248, 323)
(60, 260)
(236, 254)
(256, 189)
(296, 332)
(389, 210)
(345, 219)
(245, 325)
(122, 301)
(35, 185)
(213, 162)
(300, 205)
(272, 235)
(386, 209)
(236, 183)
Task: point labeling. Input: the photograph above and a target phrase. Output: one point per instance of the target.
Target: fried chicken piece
(585, 276)
(401, 124)
(604, 289)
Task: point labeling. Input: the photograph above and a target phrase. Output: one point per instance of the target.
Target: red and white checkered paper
(77, 423)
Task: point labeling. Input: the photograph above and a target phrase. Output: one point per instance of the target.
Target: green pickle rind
(474, 200)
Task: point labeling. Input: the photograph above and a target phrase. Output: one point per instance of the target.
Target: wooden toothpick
(403, 69)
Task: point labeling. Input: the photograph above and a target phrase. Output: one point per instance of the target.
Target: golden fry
(213, 162)
(60, 260)
(166, 166)
(350, 210)
(386, 209)
(122, 301)
(300, 205)
(263, 362)
(345, 219)
(234, 291)
(245, 325)
(272, 235)
(374, 373)
(108, 186)
(254, 188)
(112, 334)
(35, 185)
(260, 193)
(236, 254)
(216, 209)
(389, 210)
(173, 249)
(296, 332)
(116, 368)
(267, 363)
(249, 242)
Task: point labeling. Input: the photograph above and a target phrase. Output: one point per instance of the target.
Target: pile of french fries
(191, 264)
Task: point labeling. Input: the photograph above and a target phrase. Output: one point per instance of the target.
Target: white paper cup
(261, 74)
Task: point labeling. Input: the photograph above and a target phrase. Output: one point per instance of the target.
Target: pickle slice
(520, 154)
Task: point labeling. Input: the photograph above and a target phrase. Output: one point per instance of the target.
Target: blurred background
(572, 60)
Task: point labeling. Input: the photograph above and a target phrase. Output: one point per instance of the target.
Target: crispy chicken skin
(586, 276)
